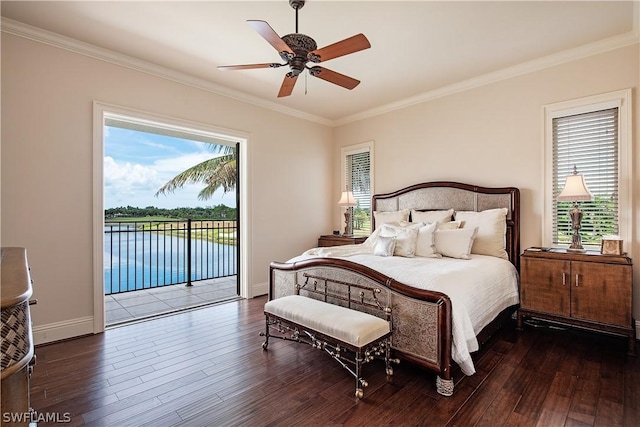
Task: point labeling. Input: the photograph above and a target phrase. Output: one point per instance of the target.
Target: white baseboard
(259, 289)
(72, 328)
(62, 330)
(83, 326)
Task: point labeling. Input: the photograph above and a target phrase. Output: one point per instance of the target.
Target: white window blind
(588, 141)
(357, 178)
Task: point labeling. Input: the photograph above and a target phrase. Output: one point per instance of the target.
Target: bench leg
(360, 382)
(265, 344)
(387, 357)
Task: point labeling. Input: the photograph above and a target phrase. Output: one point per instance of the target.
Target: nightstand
(587, 289)
(333, 240)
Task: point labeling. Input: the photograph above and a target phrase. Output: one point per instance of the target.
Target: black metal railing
(149, 254)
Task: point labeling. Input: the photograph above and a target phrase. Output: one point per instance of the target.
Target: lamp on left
(575, 190)
(348, 201)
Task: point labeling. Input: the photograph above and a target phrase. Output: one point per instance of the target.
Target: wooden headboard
(461, 197)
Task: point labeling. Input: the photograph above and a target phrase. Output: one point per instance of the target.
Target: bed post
(444, 381)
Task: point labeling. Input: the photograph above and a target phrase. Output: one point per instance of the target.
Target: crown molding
(10, 26)
(36, 34)
(601, 46)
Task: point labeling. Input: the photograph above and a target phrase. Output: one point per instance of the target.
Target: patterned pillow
(384, 246)
(406, 238)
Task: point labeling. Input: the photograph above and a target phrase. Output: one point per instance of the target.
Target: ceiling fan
(299, 49)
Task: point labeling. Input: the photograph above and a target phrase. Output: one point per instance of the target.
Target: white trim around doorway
(100, 111)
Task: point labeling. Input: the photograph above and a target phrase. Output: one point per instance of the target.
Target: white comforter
(479, 288)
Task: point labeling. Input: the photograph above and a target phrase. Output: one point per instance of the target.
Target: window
(357, 165)
(593, 135)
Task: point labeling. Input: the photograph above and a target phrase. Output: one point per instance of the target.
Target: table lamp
(575, 190)
(347, 200)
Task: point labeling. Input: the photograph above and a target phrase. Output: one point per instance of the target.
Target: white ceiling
(419, 49)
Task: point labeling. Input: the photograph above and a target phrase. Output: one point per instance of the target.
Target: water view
(147, 256)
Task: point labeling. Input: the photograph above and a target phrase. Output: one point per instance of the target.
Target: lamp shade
(347, 199)
(574, 189)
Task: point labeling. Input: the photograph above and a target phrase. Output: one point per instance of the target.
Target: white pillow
(394, 216)
(431, 216)
(449, 225)
(384, 246)
(371, 240)
(492, 230)
(425, 246)
(455, 243)
(406, 238)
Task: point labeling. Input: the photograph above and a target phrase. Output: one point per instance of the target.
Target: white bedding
(479, 288)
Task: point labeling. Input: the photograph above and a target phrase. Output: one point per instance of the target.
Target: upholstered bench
(337, 330)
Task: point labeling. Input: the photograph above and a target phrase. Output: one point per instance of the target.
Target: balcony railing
(149, 254)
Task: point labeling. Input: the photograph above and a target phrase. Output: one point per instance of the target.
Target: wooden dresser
(17, 337)
(588, 290)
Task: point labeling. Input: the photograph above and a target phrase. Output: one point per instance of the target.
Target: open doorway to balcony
(170, 217)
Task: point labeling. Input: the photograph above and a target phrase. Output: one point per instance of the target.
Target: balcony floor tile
(136, 305)
(146, 309)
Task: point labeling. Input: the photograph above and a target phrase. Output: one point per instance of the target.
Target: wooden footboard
(421, 320)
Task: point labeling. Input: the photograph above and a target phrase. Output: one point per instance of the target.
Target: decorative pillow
(371, 240)
(406, 224)
(449, 225)
(455, 243)
(492, 230)
(395, 216)
(406, 238)
(384, 246)
(431, 216)
(425, 246)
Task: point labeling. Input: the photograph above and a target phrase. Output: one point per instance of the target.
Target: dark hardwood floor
(206, 367)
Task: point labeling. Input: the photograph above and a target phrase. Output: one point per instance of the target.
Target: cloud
(134, 184)
(173, 166)
(129, 177)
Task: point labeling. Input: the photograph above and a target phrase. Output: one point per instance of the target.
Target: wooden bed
(421, 319)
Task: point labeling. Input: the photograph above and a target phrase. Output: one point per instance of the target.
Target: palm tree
(214, 173)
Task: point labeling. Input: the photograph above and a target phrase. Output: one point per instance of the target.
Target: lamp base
(576, 239)
(348, 231)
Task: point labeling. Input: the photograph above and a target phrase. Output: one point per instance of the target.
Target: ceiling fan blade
(248, 66)
(270, 35)
(333, 77)
(287, 85)
(352, 44)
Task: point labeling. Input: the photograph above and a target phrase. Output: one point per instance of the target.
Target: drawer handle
(577, 280)
(564, 279)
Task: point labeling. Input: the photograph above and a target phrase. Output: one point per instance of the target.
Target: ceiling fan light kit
(296, 50)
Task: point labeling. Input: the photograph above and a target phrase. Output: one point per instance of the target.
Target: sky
(137, 164)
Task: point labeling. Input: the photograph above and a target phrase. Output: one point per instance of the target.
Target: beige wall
(492, 136)
(47, 190)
